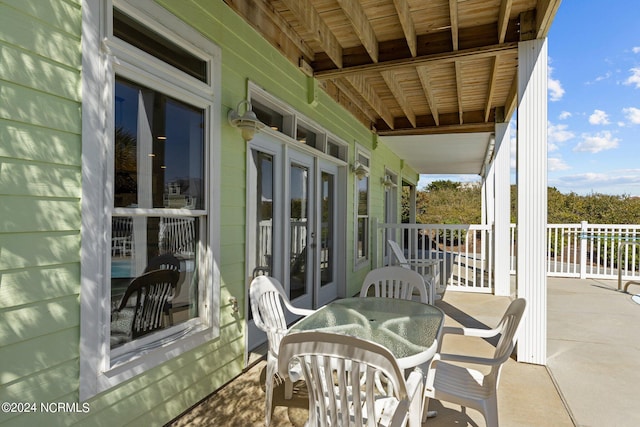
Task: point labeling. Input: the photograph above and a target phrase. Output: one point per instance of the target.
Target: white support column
(532, 198)
(502, 196)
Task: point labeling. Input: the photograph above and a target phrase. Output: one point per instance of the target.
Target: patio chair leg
(288, 389)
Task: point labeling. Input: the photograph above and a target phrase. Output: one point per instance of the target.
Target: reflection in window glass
(268, 116)
(264, 214)
(362, 193)
(140, 245)
(159, 146)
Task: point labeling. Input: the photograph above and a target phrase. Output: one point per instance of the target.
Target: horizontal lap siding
(39, 203)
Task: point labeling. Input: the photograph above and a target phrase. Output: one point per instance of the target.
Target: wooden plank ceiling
(408, 67)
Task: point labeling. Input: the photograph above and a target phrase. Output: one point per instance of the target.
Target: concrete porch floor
(591, 378)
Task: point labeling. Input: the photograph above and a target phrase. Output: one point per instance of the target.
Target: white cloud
(557, 164)
(618, 182)
(554, 86)
(599, 117)
(564, 115)
(595, 143)
(636, 49)
(632, 114)
(634, 79)
(557, 134)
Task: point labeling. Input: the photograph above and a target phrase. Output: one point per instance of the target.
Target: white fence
(573, 250)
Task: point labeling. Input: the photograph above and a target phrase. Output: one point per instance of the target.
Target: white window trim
(96, 372)
(361, 262)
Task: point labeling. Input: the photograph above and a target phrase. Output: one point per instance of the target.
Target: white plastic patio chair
(341, 371)
(423, 267)
(267, 298)
(395, 282)
(469, 387)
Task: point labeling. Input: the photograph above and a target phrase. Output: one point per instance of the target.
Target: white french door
(291, 224)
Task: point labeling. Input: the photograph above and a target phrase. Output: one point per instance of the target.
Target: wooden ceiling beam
(398, 93)
(437, 58)
(423, 74)
(545, 12)
(492, 84)
(371, 97)
(310, 18)
(360, 23)
(503, 19)
(458, 67)
(261, 16)
(453, 14)
(512, 98)
(407, 24)
(440, 130)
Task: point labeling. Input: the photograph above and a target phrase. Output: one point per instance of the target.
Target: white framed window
(362, 195)
(151, 151)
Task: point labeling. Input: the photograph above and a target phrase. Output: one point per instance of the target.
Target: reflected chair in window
(394, 282)
(166, 262)
(424, 267)
(141, 309)
(469, 387)
(267, 299)
(341, 373)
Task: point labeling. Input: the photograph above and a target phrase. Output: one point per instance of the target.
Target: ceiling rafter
(407, 24)
(360, 23)
(310, 18)
(347, 90)
(398, 93)
(492, 85)
(453, 14)
(458, 67)
(503, 19)
(423, 74)
(369, 95)
(439, 58)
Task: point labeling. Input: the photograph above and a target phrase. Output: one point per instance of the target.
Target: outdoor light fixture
(248, 123)
(387, 182)
(360, 170)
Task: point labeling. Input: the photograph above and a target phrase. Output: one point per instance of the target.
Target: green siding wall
(40, 189)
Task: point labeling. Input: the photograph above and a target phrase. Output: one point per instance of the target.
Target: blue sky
(594, 99)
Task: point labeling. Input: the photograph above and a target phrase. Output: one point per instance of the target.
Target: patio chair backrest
(334, 366)
(394, 282)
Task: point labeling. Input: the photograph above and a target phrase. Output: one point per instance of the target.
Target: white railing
(580, 250)
(465, 251)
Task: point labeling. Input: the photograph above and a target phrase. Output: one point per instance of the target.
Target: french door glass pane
(326, 228)
(299, 215)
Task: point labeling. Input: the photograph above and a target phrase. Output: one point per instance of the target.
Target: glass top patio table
(409, 329)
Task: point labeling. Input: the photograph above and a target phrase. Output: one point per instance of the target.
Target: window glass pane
(306, 136)
(140, 245)
(264, 214)
(134, 33)
(334, 150)
(361, 250)
(268, 116)
(363, 196)
(159, 150)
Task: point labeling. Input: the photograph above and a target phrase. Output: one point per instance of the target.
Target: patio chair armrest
(449, 357)
(300, 311)
(470, 332)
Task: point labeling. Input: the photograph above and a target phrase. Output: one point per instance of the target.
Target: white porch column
(502, 199)
(532, 198)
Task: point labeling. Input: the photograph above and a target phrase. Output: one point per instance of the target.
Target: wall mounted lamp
(248, 123)
(360, 170)
(387, 183)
